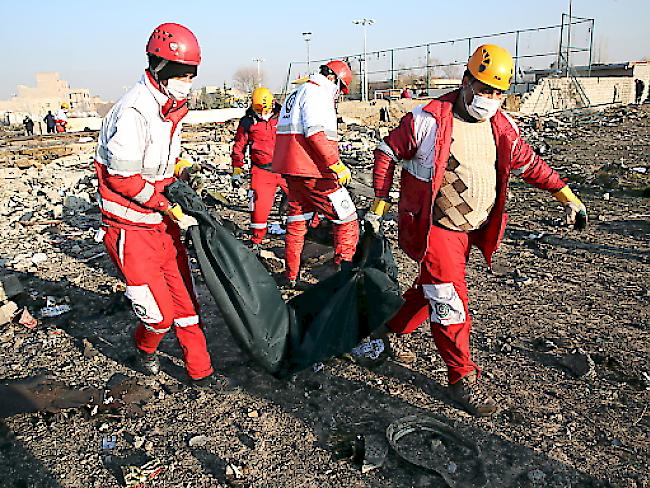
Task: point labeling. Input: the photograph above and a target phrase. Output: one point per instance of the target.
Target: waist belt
(421, 172)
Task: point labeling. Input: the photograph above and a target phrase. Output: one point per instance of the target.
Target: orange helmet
(343, 73)
(262, 100)
(492, 65)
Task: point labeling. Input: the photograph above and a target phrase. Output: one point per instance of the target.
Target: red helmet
(174, 42)
(343, 73)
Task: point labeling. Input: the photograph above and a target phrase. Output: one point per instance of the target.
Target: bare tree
(452, 72)
(246, 79)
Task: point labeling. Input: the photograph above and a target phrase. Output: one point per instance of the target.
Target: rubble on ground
(560, 330)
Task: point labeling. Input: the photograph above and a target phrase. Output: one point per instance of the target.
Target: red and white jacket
(422, 143)
(306, 143)
(139, 144)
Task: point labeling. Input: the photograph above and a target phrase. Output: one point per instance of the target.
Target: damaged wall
(554, 94)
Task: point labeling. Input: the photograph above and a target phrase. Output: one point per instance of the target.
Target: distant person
(29, 125)
(61, 119)
(256, 131)
(50, 122)
(384, 114)
(406, 93)
(639, 86)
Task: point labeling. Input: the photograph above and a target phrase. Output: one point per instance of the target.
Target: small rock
(38, 258)
(198, 441)
(7, 312)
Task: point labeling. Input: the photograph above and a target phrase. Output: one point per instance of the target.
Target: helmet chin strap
(158, 68)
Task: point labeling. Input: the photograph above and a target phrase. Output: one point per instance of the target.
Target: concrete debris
(7, 312)
(198, 441)
(10, 287)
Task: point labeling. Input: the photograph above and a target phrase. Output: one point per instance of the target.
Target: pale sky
(100, 45)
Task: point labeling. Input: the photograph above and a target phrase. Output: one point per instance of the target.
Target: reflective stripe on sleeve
(145, 194)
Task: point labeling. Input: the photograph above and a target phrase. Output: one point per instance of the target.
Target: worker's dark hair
(162, 69)
(468, 75)
(326, 70)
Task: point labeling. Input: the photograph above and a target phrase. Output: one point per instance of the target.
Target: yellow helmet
(262, 100)
(65, 105)
(492, 65)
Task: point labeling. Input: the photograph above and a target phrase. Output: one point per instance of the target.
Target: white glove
(373, 220)
(186, 221)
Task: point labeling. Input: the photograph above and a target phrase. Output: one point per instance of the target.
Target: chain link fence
(432, 67)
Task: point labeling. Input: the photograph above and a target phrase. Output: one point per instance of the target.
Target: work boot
(148, 363)
(297, 285)
(468, 394)
(216, 382)
(371, 352)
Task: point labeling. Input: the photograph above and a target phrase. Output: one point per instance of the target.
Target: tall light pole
(307, 37)
(568, 38)
(259, 73)
(364, 86)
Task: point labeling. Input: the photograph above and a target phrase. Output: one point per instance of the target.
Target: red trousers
(159, 284)
(264, 184)
(307, 197)
(440, 293)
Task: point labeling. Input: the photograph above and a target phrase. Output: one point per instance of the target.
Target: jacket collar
(167, 104)
(320, 80)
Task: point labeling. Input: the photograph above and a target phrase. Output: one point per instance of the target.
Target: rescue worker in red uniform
(256, 131)
(457, 154)
(136, 158)
(307, 154)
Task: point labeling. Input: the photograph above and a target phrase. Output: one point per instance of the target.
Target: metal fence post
(428, 53)
(469, 47)
(516, 58)
(392, 68)
(559, 49)
(591, 45)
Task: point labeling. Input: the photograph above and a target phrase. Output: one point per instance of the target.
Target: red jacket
(257, 134)
(416, 195)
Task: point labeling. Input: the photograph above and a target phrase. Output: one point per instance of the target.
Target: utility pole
(307, 37)
(364, 85)
(259, 73)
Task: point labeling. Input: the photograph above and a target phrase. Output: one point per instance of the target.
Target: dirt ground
(551, 290)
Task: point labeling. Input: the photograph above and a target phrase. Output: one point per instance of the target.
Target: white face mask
(482, 108)
(266, 116)
(178, 89)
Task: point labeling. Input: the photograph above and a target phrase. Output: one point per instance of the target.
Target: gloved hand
(576, 212)
(178, 216)
(191, 173)
(182, 169)
(375, 215)
(342, 173)
(237, 177)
